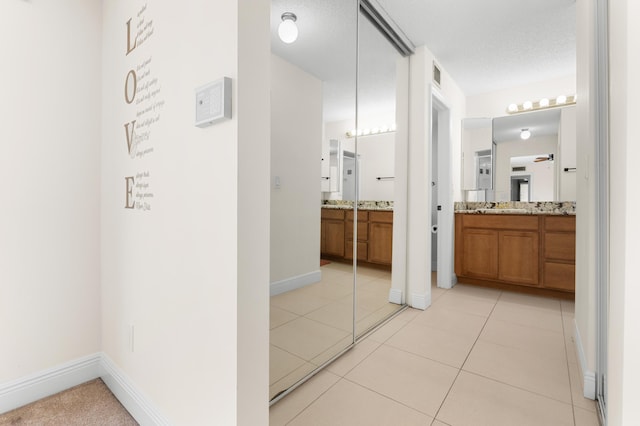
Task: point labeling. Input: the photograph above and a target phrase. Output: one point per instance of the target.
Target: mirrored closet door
(333, 120)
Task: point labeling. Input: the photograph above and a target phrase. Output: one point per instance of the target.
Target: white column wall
(585, 298)
(624, 316)
(419, 168)
(191, 275)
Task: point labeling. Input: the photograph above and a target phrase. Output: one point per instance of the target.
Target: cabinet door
(560, 276)
(380, 242)
(333, 237)
(362, 250)
(480, 253)
(518, 257)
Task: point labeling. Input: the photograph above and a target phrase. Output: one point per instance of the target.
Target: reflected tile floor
(475, 357)
(312, 324)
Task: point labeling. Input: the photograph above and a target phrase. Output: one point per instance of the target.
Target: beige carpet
(90, 403)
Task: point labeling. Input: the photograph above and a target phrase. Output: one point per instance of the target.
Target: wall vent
(436, 74)
(519, 169)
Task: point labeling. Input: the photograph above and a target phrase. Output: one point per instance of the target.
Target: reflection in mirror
(313, 81)
(525, 165)
(477, 162)
(532, 156)
(378, 64)
(319, 304)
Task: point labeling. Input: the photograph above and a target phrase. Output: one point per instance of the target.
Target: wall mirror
(333, 95)
(520, 157)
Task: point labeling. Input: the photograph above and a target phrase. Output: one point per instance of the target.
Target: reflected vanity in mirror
(524, 157)
(332, 192)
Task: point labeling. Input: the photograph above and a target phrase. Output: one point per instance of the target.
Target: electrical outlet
(132, 334)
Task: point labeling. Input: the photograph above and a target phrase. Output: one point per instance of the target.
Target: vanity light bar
(372, 131)
(543, 103)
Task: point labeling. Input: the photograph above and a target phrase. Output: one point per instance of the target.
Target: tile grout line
(566, 354)
(387, 397)
(314, 400)
(519, 387)
(435, 417)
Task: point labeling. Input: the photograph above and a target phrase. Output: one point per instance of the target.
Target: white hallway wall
(190, 274)
(50, 184)
(296, 147)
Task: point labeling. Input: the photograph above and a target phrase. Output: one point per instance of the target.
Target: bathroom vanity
(516, 249)
(374, 237)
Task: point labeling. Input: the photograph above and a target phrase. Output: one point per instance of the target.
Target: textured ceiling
(488, 45)
(485, 45)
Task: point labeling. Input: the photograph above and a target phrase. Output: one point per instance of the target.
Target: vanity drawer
(561, 246)
(332, 214)
(363, 216)
(500, 221)
(560, 223)
(381, 217)
(363, 228)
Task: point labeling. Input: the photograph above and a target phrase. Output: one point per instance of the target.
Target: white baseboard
(48, 382)
(279, 287)
(138, 405)
(395, 296)
(420, 301)
(588, 377)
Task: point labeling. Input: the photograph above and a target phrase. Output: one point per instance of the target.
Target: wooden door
(380, 243)
(333, 237)
(518, 257)
(480, 253)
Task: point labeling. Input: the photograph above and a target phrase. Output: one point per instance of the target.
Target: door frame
(446, 277)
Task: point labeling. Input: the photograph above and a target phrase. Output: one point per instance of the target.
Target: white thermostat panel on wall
(213, 102)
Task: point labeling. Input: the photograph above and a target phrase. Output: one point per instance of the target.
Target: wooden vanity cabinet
(332, 232)
(559, 253)
(518, 257)
(532, 251)
(480, 254)
(374, 239)
(380, 237)
(363, 235)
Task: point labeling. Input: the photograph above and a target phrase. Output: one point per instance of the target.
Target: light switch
(213, 102)
(276, 182)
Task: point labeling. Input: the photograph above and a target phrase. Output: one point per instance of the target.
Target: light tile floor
(475, 357)
(312, 324)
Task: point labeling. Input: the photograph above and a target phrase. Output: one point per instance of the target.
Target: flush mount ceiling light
(525, 134)
(288, 30)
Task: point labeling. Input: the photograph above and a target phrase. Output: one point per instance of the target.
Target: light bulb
(513, 108)
(525, 134)
(544, 102)
(527, 105)
(561, 99)
(288, 30)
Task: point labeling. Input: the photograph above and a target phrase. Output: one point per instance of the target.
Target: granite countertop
(564, 208)
(362, 205)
